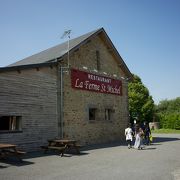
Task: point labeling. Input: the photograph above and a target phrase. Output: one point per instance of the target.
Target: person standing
(129, 135)
(147, 133)
(139, 139)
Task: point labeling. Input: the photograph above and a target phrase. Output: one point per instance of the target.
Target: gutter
(28, 66)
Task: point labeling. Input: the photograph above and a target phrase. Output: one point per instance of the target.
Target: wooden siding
(31, 94)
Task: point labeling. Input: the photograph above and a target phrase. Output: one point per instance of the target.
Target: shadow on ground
(164, 139)
(156, 141)
(28, 158)
(68, 153)
(149, 148)
(102, 146)
(13, 162)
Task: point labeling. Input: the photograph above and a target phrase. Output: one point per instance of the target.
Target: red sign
(93, 82)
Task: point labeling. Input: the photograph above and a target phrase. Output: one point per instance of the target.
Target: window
(10, 123)
(98, 60)
(92, 113)
(108, 114)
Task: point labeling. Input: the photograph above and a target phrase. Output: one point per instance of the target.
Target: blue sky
(146, 34)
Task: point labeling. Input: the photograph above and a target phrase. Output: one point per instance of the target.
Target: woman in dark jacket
(147, 133)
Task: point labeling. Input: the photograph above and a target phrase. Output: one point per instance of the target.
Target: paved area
(160, 161)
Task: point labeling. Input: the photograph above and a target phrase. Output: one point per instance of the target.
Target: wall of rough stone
(77, 102)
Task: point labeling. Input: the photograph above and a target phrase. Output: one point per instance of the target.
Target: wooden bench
(20, 153)
(76, 147)
(62, 145)
(79, 146)
(44, 147)
(2, 155)
(60, 149)
(9, 152)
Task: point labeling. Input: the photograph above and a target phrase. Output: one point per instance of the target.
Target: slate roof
(56, 53)
(53, 53)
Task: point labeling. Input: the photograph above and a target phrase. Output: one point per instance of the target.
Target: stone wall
(154, 125)
(77, 102)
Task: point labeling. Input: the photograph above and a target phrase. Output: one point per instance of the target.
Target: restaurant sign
(97, 83)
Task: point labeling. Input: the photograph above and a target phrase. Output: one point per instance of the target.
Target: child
(129, 135)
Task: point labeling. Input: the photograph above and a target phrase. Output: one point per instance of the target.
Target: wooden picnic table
(7, 146)
(7, 150)
(61, 145)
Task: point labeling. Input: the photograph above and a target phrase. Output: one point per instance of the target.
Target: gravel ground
(159, 161)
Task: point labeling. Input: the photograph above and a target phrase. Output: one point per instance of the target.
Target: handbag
(151, 138)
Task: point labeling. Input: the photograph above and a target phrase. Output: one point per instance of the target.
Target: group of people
(139, 134)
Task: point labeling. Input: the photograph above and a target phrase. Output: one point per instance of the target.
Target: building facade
(77, 94)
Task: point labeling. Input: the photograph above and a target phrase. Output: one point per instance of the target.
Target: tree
(168, 113)
(141, 104)
(169, 106)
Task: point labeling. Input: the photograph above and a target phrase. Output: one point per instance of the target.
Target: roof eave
(123, 64)
(28, 66)
(101, 30)
(55, 61)
(81, 43)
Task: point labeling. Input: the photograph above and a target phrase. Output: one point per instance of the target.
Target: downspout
(58, 100)
(61, 103)
(63, 69)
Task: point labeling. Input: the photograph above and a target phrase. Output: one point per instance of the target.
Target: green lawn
(166, 131)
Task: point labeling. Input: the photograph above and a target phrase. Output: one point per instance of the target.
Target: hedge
(169, 121)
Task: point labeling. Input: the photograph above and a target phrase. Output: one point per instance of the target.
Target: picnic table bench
(61, 145)
(7, 150)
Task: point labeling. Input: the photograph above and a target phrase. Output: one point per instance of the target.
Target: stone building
(77, 94)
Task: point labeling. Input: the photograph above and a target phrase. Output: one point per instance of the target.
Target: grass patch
(166, 131)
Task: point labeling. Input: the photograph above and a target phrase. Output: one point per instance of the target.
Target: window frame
(94, 115)
(15, 124)
(110, 114)
(98, 64)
